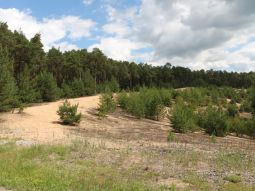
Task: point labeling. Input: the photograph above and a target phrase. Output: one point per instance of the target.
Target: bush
(152, 101)
(106, 105)
(147, 103)
(251, 128)
(166, 97)
(122, 100)
(237, 125)
(232, 110)
(183, 119)
(214, 121)
(245, 106)
(252, 97)
(68, 113)
(136, 106)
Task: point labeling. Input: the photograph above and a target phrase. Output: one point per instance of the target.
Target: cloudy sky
(199, 34)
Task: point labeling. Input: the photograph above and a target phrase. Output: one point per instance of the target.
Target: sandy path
(40, 123)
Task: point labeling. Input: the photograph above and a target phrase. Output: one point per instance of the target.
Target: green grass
(236, 187)
(233, 178)
(235, 161)
(44, 168)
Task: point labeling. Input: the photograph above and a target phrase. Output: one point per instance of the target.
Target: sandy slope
(40, 123)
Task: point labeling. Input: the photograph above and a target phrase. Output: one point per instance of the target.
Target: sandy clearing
(40, 123)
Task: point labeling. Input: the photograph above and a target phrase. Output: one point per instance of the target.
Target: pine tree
(47, 87)
(89, 88)
(27, 91)
(8, 88)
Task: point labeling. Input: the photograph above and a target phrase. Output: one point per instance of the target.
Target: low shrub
(166, 96)
(251, 128)
(136, 106)
(152, 101)
(107, 104)
(68, 113)
(122, 99)
(237, 125)
(232, 110)
(183, 119)
(214, 121)
(149, 103)
(245, 106)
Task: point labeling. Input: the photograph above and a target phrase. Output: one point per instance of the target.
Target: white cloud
(118, 48)
(191, 33)
(88, 2)
(118, 29)
(64, 46)
(52, 30)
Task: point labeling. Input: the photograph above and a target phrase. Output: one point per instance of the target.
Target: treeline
(29, 74)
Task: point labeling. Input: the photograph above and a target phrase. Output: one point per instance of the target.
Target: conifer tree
(8, 88)
(47, 87)
(27, 91)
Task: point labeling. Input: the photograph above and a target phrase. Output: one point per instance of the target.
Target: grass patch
(236, 187)
(233, 178)
(235, 161)
(33, 169)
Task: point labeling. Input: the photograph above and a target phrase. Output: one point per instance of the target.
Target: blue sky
(208, 34)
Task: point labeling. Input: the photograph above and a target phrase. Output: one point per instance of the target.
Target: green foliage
(236, 187)
(78, 89)
(166, 96)
(253, 99)
(66, 90)
(106, 105)
(195, 96)
(27, 92)
(47, 87)
(152, 101)
(213, 120)
(246, 106)
(122, 99)
(233, 178)
(68, 113)
(136, 106)
(8, 88)
(34, 168)
(148, 102)
(112, 85)
(183, 119)
(251, 127)
(232, 110)
(89, 83)
(237, 125)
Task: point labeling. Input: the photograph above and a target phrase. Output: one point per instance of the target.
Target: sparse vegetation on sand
(85, 166)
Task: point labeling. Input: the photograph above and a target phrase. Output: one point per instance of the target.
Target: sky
(208, 34)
